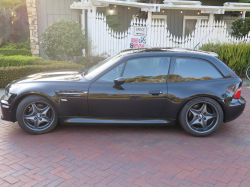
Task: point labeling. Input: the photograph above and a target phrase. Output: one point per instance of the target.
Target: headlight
(7, 95)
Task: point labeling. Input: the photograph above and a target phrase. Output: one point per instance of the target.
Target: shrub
(236, 56)
(13, 52)
(6, 61)
(241, 27)
(8, 74)
(89, 61)
(63, 38)
(24, 45)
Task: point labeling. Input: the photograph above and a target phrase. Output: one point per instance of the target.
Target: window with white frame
(160, 18)
(189, 23)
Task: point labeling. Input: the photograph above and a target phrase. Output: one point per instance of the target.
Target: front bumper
(235, 109)
(6, 110)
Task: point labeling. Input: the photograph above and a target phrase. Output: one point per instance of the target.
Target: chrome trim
(64, 100)
(5, 106)
(123, 121)
(71, 92)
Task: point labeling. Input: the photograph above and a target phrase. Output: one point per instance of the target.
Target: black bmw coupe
(143, 86)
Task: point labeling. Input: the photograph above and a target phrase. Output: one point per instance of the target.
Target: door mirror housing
(119, 81)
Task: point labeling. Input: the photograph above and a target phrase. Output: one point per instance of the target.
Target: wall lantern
(129, 7)
(198, 12)
(181, 12)
(114, 6)
(241, 12)
(111, 11)
(162, 11)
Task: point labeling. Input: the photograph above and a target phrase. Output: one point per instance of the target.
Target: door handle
(155, 92)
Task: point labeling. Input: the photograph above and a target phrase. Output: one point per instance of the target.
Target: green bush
(12, 52)
(63, 39)
(8, 74)
(89, 61)
(24, 45)
(236, 56)
(241, 27)
(6, 61)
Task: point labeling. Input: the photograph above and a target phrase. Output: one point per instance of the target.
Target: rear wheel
(248, 72)
(36, 115)
(201, 116)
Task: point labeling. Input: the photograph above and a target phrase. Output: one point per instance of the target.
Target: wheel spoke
(194, 112)
(210, 116)
(204, 124)
(36, 123)
(204, 108)
(35, 108)
(45, 110)
(30, 117)
(45, 119)
(194, 121)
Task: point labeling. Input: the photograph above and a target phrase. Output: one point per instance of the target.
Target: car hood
(73, 76)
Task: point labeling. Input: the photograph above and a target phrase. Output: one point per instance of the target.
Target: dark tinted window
(191, 69)
(112, 74)
(147, 70)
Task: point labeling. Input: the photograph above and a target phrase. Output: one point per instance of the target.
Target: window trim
(173, 64)
(149, 57)
(124, 60)
(160, 17)
(198, 18)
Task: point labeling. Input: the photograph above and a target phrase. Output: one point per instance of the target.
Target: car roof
(169, 49)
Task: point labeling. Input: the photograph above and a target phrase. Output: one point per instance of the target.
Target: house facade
(114, 23)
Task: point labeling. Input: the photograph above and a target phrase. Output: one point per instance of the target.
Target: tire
(248, 72)
(201, 116)
(36, 115)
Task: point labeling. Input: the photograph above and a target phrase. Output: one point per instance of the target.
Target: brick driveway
(126, 156)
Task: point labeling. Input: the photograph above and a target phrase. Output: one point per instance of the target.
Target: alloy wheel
(202, 117)
(38, 116)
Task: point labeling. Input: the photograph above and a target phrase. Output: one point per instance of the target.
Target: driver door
(143, 95)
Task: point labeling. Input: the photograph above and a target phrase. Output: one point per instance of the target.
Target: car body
(89, 99)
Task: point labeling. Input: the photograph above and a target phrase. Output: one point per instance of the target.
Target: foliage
(20, 31)
(241, 27)
(10, 24)
(63, 38)
(24, 45)
(112, 21)
(8, 74)
(5, 24)
(236, 56)
(6, 61)
(90, 60)
(12, 4)
(13, 52)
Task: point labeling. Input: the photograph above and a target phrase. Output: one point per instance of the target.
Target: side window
(112, 74)
(147, 70)
(192, 69)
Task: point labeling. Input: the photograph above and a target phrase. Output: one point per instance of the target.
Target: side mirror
(119, 81)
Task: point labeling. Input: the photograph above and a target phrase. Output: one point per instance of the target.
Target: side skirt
(79, 120)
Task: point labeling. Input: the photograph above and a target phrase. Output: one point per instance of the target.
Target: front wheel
(201, 116)
(36, 115)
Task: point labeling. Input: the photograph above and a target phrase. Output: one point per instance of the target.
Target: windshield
(101, 66)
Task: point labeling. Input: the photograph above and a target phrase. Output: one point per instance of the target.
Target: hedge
(236, 56)
(8, 74)
(12, 52)
(6, 61)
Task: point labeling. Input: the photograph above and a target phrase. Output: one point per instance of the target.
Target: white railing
(106, 41)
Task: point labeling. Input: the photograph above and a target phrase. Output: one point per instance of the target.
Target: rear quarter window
(192, 69)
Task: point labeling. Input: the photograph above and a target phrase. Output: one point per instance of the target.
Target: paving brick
(126, 156)
(10, 179)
